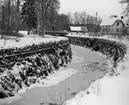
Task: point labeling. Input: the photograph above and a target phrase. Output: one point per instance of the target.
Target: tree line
(41, 15)
(84, 18)
(36, 14)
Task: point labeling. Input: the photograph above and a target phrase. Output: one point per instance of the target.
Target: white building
(78, 29)
(114, 27)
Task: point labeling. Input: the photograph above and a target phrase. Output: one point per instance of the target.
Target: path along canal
(86, 65)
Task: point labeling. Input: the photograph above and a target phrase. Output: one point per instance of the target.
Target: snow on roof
(78, 28)
(111, 21)
(108, 22)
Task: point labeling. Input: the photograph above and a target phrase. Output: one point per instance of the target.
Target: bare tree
(47, 11)
(83, 18)
(126, 11)
(8, 17)
(12, 14)
(70, 16)
(3, 18)
(18, 16)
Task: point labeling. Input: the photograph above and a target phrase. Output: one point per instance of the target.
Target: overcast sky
(105, 8)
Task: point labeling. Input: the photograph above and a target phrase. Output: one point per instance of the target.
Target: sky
(105, 8)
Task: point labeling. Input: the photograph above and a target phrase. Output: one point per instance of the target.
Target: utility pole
(96, 22)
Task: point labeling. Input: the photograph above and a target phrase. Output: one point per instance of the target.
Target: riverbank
(69, 84)
(110, 90)
(22, 66)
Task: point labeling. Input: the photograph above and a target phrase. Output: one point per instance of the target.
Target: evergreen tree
(29, 14)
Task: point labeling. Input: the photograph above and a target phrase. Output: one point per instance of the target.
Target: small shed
(82, 29)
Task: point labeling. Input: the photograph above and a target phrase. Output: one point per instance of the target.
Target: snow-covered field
(28, 40)
(110, 90)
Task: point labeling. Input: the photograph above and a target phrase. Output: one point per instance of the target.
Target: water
(89, 65)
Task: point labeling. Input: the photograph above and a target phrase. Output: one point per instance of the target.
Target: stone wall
(112, 49)
(21, 67)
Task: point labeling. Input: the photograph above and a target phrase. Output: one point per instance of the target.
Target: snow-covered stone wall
(112, 49)
(29, 64)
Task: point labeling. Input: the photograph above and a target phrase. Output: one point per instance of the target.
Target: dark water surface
(89, 65)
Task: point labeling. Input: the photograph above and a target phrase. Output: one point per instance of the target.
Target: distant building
(89, 27)
(81, 29)
(116, 27)
(93, 27)
(105, 29)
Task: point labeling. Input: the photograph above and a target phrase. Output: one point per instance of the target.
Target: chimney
(122, 17)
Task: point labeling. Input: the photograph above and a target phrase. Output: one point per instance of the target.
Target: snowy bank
(25, 41)
(22, 67)
(110, 90)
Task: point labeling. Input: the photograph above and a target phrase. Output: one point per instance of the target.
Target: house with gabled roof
(114, 27)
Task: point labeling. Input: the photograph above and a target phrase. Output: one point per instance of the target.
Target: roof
(111, 21)
(124, 24)
(78, 28)
(108, 21)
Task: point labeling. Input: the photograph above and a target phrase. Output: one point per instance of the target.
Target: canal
(86, 67)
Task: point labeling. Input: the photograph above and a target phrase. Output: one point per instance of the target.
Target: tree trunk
(3, 18)
(8, 18)
(29, 29)
(18, 16)
(43, 17)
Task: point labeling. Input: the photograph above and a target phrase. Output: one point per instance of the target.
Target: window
(117, 30)
(117, 23)
(125, 31)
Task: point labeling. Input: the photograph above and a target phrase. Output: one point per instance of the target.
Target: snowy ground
(28, 40)
(51, 80)
(110, 90)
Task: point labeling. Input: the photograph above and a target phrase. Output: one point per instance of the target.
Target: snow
(52, 80)
(110, 90)
(78, 28)
(23, 32)
(77, 59)
(56, 78)
(28, 40)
